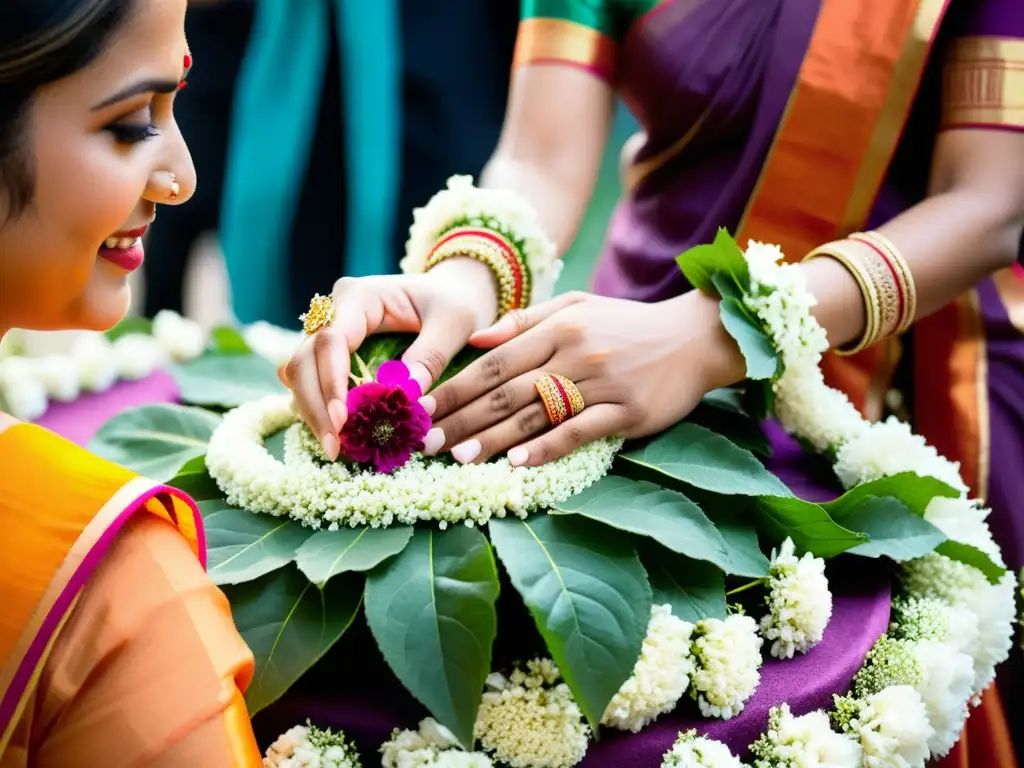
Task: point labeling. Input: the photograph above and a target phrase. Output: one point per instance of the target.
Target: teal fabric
(274, 121)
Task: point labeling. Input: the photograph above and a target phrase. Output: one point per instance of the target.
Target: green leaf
(225, 340)
(913, 490)
(242, 546)
(808, 525)
(649, 510)
(694, 589)
(894, 530)
(379, 349)
(735, 426)
(731, 259)
(327, 553)
(726, 399)
(130, 325)
(697, 456)
(198, 485)
(759, 399)
(289, 624)
(155, 440)
(588, 594)
(432, 611)
(701, 263)
(761, 358)
(736, 523)
(226, 381)
(971, 555)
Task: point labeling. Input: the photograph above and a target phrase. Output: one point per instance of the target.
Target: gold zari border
(983, 83)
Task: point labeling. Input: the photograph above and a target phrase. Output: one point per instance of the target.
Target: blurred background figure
(217, 31)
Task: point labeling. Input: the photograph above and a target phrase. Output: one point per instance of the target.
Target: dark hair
(42, 41)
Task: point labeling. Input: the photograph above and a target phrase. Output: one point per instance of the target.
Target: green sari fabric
(274, 121)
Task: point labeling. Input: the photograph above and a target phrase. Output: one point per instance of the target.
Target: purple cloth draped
(352, 689)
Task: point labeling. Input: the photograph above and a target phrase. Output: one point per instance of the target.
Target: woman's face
(104, 146)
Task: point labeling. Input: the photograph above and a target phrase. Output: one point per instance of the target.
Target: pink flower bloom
(386, 423)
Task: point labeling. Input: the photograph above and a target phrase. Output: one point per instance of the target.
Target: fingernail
(331, 446)
(338, 413)
(467, 451)
(429, 404)
(518, 456)
(433, 442)
(418, 372)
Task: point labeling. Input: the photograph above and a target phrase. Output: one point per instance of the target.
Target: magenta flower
(386, 423)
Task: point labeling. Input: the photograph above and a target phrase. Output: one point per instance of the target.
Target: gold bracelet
(899, 272)
(848, 253)
(497, 253)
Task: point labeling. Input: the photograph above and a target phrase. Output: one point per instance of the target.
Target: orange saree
(116, 650)
(859, 80)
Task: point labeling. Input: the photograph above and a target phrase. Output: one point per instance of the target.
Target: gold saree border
(61, 581)
(559, 41)
(983, 84)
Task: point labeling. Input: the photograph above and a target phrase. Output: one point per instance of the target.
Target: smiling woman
(115, 648)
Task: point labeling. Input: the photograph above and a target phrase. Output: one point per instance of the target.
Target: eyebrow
(145, 86)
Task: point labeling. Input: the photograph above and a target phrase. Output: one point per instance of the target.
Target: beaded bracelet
(885, 282)
(494, 250)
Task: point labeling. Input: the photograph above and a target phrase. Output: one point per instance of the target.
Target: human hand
(640, 369)
(444, 306)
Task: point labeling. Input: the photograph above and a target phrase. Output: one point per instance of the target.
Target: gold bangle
(899, 272)
(494, 251)
(847, 254)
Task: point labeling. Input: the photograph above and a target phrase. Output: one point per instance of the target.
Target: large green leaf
(588, 594)
(289, 624)
(155, 440)
(242, 546)
(649, 510)
(733, 424)
(971, 555)
(808, 525)
(195, 480)
(697, 456)
(226, 381)
(894, 530)
(761, 358)
(432, 611)
(723, 257)
(913, 490)
(129, 326)
(737, 522)
(694, 589)
(327, 553)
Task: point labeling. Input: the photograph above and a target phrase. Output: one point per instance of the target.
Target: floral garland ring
(319, 493)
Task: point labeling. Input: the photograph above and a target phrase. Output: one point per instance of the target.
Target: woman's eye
(128, 133)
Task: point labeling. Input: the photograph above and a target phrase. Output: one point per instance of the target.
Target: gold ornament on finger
(319, 315)
(561, 397)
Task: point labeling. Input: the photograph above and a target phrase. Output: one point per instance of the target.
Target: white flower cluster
(44, 367)
(462, 200)
(530, 720)
(432, 746)
(727, 664)
(799, 602)
(892, 727)
(692, 751)
(660, 677)
(807, 741)
(306, 746)
(332, 494)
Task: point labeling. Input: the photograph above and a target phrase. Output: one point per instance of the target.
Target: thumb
(442, 336)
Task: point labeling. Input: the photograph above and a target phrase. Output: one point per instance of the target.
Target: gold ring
(562, 398)
(319, 315)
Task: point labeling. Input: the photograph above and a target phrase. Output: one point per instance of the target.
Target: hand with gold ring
(579, 368)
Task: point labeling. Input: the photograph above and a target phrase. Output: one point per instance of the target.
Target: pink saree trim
(79, 565)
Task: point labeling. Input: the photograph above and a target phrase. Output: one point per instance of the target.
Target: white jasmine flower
(432, 746)
(137, 356)
(94, 360)
(22, 393)
(183, 338)
(272, 343)
(808, 408)
(310, 747)
(727, 660)
(529, 719)
(693, 751)
(461, 201)
(799, 602)
(889, 448)
(804, 742)
(660, 677)
(59, 377)
(891, 725)
(929, 618)
(48, 343)
(966, 588)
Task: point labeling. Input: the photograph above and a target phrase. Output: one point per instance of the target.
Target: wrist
(718, 359)
(476, 280)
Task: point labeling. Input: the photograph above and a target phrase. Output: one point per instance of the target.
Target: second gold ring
(561, 397)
